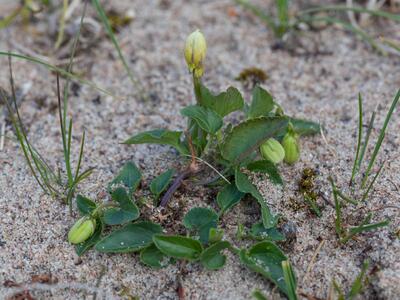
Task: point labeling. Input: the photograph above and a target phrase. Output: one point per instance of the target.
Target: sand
(323, 88)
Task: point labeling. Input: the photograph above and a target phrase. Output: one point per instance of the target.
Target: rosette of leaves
(230, 148)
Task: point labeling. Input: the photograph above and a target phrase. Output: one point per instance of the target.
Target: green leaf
(228, 197)
(249, 135)
(178, 246)
(290, 280)
(258, 231)
(266, 258)
(159, 136)
(201, 220)
(224, 103)
(161, 182)
(129, 176)
(85, 205)
(81, 248)
(211, 258)
(357, 286)
(207, 119)
(258, 295)
(153, 257)
(304, 127)
(126, 212)
(267, 167)
(244, 185)
(262, 103)
(130, 238)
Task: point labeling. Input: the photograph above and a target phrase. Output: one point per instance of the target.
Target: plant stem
(175, 185)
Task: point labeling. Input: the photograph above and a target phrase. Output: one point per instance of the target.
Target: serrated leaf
(267, 167)
(161, 182)
(126, 212)
(85, 205)
(244, 185)
(258, 231)
(129, 176)
(201, 220)
(130, 238)
(228, 197)
(266, 258)
(207, 119)
(211, 258)
(153, 257)
(81, 248)
(159, 136)
(249, 135)
(224, 103)
(262, 103)
(178, 246)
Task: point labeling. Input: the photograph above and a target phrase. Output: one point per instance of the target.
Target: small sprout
(195, 52)
(272, 150)
(291, 146)
(82, 230)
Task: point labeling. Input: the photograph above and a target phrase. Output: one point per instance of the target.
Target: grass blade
(56, 69)
(360, 130)
(365, 144)
(357, 285)
(268, 20)
(380, 138)
(377, 13)
(290, 280)
(372, 183)
(107, 26)
(338, 219)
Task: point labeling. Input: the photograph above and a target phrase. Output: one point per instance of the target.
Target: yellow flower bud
(195, 52)
(291, 146)
(82, 230)
(273, 151)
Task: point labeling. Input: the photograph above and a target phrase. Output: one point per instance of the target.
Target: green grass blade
(372, 183)
(61, 28)
(268, 20)
(290, 280)
(366, 141)
(377, 13)
(363, 35)
(8, 19)
(80, 156)
(282, 7)
(338, 219)
(360, 130)
(53, 68)
(380, 138)
(357, 285)
(107, 26)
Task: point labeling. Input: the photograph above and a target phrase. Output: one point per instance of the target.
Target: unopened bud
(195, 52)
(273, 151)
(82, 230)
(291, 146)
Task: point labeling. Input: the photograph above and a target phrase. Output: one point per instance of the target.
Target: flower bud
(195, 52)
(82, 230)
(291, 146)
(273, 151)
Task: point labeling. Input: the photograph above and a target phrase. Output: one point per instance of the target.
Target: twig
(312, 261)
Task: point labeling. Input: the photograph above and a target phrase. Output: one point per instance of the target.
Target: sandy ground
(324, 88)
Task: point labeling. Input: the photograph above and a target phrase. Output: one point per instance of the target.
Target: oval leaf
(262, 103)
(159, 136)
(211, 258)
(178, 246)
(129, 176)
(267, 167)
(249, 135)
(228, 197)
(201, 220)
(130, 238)
(258, 231)
(153, 257)
(160, 183)
(207, 119)
(266, 258)
(85, 205)
(126, 212)
(244, 185)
